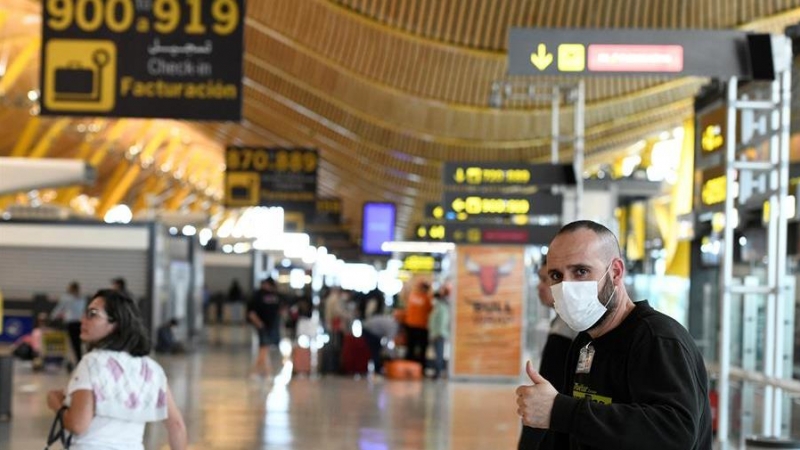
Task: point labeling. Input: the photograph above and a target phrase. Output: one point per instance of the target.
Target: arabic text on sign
(118, 16)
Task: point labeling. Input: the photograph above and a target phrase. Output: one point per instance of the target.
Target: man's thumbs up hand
(535, 402)
(535, 376)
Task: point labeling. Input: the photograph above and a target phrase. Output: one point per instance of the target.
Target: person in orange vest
(418, 307)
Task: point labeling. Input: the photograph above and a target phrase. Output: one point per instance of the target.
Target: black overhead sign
(465, 233)
(179, 59)
(258, 176)
(480, 174)
(487, 204)
(585, 52)
(328, 210)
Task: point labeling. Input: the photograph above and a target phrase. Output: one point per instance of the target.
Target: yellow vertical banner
(488, 312)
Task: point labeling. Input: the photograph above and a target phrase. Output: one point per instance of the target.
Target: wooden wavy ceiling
(388, 90)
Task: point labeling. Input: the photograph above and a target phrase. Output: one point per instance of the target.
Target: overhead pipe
(24, 174)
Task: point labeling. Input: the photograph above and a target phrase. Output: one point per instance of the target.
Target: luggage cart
(55, 348)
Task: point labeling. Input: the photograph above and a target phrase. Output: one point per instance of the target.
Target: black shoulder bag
(58, 433)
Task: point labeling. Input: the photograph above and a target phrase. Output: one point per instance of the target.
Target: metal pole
(783, 124)
(726, 269)
(580, 123)
(773, 299)
(555, 125)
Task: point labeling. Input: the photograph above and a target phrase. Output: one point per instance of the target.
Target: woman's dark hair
(130, 334)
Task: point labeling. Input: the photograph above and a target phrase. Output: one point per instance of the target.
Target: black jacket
(646, 388)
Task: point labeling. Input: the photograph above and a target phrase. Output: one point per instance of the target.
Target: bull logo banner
(488, 311)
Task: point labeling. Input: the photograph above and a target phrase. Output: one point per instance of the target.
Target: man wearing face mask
(635, 379)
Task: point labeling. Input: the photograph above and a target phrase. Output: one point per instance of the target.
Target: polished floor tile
(225, 409)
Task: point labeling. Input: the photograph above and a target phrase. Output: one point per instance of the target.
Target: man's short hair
(606, 236)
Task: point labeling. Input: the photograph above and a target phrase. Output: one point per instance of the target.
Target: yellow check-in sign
(243, 188)
(571, 58)
(80, 75)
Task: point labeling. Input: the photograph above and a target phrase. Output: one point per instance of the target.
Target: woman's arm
(78, 416)
(176, 428)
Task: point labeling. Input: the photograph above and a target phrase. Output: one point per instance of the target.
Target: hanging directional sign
(143, 58)
(430, 232)
(584, 52)
(540, 203)
(465, 233)
(485, 174)
(261, 176)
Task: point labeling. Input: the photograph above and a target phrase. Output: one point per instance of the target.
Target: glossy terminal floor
(224, 409)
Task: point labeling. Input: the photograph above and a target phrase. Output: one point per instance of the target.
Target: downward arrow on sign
(541, 59)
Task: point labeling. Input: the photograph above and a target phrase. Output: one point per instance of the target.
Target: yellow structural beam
(26, 138)
(19, 63)
(46, 142)
(65, 195)
(113, 134)
(94, 159)
(168, 154)
(117, 191)
(154, 185)
(194, 164)
(174, 202)
(114, 188)
(158, 181)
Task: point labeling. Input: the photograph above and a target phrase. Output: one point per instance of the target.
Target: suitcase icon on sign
(76, 83)
(243, 188)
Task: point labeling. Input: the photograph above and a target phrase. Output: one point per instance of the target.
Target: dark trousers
(219, 305)
(438, 346)
(74, 331)
(417, 344)
(375, 348)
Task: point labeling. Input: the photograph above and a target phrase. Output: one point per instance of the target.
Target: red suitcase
(301, 360)
(355, 355)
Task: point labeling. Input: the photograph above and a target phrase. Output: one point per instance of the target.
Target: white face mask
(577, 302)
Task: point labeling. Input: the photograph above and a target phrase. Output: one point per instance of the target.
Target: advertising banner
(179, 59)
(488, 312)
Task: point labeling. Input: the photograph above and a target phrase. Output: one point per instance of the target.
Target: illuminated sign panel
(141, 58)
(434, 211)
(259, 176)
(327, 210)
(474, 174)
(583, 52)
(377, 227)
(540, 203)
(710, 189)
(430, 232)
(422, 263)
(635, 58)
(465, 233)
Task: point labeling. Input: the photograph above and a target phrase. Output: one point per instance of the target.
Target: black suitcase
(329, 357)
(6, 386)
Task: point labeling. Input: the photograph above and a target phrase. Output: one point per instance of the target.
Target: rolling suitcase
(355, 355)
(301, 360)
(329, 359)
(403, 369)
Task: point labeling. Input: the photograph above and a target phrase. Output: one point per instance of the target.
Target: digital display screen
(377, 227)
